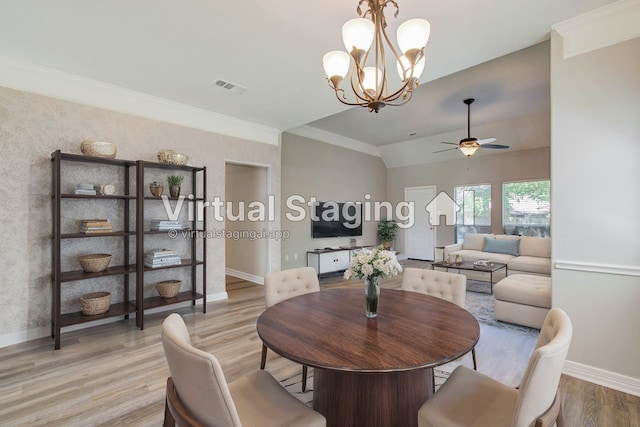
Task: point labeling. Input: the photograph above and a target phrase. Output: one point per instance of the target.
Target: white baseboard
(604, 378)
(244, 276)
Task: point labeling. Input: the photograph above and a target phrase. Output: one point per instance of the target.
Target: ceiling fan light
(469, 146)
(405, 65)
(336, 63)
(358, 33)
(413, 34)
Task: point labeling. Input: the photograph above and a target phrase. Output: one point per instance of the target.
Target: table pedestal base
(370, 399)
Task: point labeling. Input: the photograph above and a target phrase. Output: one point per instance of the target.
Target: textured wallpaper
(31, 128)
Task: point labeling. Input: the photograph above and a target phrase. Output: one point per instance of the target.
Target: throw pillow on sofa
(509, 247)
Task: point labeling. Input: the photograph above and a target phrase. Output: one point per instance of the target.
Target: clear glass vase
(372, 297)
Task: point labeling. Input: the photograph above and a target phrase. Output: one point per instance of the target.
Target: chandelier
(368, 72)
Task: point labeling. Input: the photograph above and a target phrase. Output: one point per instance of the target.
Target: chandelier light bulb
(358, 32)
(404, 66)
(336, 63)
(370, 83)
(413, 34)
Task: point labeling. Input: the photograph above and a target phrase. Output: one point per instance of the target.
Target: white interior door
(420, 239)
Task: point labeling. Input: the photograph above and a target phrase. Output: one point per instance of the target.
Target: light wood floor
(115, 374)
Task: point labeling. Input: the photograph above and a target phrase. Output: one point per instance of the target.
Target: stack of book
(91, 226)
(85, 189)
(161, 258)
(164, 225)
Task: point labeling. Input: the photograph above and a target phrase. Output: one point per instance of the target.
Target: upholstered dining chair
(282, 285)
(448, 286)
(471, 399)
(198, 393)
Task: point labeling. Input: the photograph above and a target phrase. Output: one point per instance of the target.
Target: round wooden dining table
(369, 372)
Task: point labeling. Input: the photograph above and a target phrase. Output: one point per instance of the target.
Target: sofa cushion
(509, 247)
(475, 242)
(535, 246)
(531, 264)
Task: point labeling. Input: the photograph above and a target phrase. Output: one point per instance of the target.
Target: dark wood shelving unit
(199, 193)
(59, 277)
(133, 193)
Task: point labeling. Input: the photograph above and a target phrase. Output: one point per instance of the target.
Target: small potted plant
(174, 184)
(387, 229)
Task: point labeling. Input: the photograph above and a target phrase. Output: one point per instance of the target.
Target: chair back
(448, 286)
(197, 376)
(542, 376)
(282, 285)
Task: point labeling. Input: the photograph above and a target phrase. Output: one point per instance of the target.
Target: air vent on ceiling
(229, 86)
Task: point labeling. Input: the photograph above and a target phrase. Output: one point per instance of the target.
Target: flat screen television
(333, 219)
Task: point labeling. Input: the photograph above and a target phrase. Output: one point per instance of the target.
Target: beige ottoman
(523, 299)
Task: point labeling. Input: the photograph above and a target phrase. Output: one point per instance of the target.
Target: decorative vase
(386, 245)
(156, 189)
(372, 297)
(174, 190)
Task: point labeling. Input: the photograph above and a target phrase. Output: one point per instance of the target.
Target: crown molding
(331, 138)
(605, 26)
(25, 76)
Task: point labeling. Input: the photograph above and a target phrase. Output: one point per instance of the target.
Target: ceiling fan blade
(486, 141)
(496, 146)
(450, 143)
(447, 149)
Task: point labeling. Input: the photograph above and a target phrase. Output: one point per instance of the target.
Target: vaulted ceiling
(492, 50)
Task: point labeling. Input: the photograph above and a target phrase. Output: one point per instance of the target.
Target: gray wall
(493, 168)
(595, 190)
(249, 252)
(31, 128)
(328, 172)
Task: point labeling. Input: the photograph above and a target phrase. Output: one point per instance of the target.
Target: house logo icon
(442, 204)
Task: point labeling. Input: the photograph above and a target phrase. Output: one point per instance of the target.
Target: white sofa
(522, 254)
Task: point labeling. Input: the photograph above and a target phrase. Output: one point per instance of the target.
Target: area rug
(480, 302)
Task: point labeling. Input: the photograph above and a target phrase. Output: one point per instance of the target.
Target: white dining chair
(285, 284)
(198, 393)
(471, 399)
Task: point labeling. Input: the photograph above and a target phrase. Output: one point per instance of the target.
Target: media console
(331, 260)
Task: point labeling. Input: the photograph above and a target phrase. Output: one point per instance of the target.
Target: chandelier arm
(356, 83)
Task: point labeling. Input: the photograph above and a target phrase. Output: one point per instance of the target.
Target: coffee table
(369, 372)
(470, 266)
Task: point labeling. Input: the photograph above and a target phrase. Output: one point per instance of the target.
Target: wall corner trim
(331, 138)
(28, 77)
(605, 26)
(601, 377)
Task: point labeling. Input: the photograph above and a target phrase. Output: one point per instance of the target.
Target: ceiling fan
(469, 145)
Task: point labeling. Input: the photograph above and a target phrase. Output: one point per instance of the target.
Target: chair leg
(433, 380)
(168, 418)
(473, 355)
(263, 362)
(304, 378)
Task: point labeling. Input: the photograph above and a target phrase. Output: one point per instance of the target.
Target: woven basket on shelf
(95, 303)
(99, 149)
(94, 263)
(168, 288)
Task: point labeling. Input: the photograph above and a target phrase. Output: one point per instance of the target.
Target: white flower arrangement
(373, 264)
